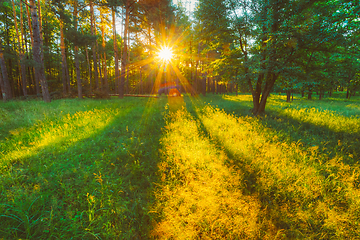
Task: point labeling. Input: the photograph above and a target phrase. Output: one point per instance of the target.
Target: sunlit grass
(117, 169)
(330, 125)
(199, 196)
(56, 133)
(302, 195)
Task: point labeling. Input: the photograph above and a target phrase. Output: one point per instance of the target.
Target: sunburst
(165, 54)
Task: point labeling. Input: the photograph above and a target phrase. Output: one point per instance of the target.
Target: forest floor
(180, 168)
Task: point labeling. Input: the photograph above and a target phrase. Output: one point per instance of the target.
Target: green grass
(80, 172)
(198, 168)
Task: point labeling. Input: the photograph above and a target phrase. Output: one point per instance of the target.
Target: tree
(92, 20)
(124, 57)
(271, 39)
(39, 67)
(103, 17)
(20, 40)
(36, 80)
(5, 84)
(76, 50)
(116, 53)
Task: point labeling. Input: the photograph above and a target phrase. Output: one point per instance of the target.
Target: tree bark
(89, 69)
(64, 69)
(93, 32)
(106, 84)
(116, 53)
(39, 67)
(36, 78)
(23, 67)
(288, 95)
(21, 51)
(270, 81)
(124, 56)
(309, 93)
(76, 50)
(3, 92)
(203, 85)
(6, 91)
(101, 80)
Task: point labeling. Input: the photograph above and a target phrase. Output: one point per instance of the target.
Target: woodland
(263, 142)
(83, 48)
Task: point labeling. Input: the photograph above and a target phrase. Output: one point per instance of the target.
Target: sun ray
(165, 54)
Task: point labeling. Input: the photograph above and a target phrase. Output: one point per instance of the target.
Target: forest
(260, 139)
(65, 49)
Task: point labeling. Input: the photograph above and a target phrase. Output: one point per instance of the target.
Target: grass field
(197, 168)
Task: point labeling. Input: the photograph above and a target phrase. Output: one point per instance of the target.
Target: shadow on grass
(277, 205)
(331, 143)
(241, 162)
(97, 187)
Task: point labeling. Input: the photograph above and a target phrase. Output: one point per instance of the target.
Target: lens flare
(165, 54)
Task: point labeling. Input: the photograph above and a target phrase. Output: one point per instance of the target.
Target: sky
(189, 4)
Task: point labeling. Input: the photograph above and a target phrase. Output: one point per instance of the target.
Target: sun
(165, 54)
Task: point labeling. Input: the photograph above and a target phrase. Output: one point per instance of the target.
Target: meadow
(197, 168)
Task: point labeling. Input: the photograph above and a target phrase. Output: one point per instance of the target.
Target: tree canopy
(102, 47)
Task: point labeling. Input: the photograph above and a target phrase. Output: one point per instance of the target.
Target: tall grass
(141, 169)
(81, 172)
(303, 193)
(313, 123)
(199, 195)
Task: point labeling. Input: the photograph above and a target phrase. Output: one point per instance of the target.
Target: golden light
(165, 54)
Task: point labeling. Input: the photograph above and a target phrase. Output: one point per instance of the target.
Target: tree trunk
(203, 86)
(309, 93)
(89, 69)
(68, 72)
(196, 77)
(6, 90)
(124, 56)
(101, 80)
(288, 95)
(39, 67)
(116, 53)
(321, 94)
(92, 19)
(141, 82)
(209, 84)
(128, 90)
(23, 67)
(21, 51)
(106, 84)
(213, 85)
(36, 78)
(64, 69)
(270, 81)
(3, 92)
(76, 50)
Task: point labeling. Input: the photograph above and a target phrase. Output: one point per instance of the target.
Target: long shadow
(275, 204)
(330, 143)
(251, 177)
(98, 187)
